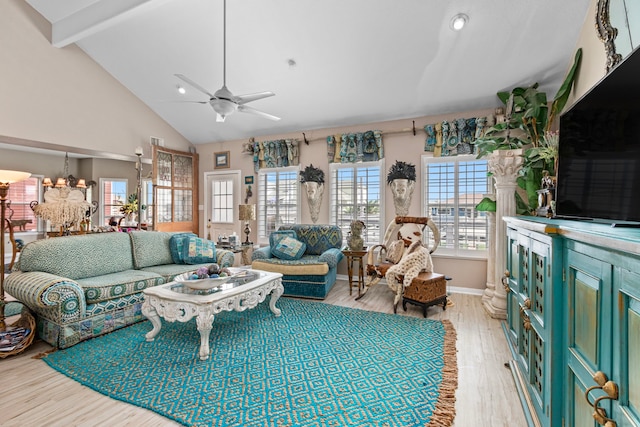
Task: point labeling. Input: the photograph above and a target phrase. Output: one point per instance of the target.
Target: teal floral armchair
(308, 272)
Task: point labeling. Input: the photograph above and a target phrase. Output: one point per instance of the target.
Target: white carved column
(487, 295)
(504, 165)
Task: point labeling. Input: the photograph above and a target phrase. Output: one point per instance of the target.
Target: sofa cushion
(276, 236)
(198, 251)
(110, 286)
(307, 265)
(150, 248)
(77, 257)
(176, 245)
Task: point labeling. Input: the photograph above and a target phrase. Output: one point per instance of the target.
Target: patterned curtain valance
(355, 147)
(450, 138)
(275, 154)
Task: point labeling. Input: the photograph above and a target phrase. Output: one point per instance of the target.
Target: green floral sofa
(83, 286)
(313, 273)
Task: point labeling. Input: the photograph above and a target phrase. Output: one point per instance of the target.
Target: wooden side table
(351, 257)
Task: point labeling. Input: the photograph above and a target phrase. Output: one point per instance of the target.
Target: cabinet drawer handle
(527, 304)
(609, 387)
(526, 321)
(505, 281)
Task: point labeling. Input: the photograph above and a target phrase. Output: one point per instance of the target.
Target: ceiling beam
(97, 17)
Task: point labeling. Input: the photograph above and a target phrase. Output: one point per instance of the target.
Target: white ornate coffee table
(174, 301)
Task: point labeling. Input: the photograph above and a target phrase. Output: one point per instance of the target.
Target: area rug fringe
(43, 354)
(445, 410)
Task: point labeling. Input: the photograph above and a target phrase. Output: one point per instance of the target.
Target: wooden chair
(428, 288)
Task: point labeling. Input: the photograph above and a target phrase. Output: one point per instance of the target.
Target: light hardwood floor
(33, 394)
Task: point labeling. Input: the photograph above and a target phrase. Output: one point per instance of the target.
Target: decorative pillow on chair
(276, 236)
(198, 251)
(289, 248)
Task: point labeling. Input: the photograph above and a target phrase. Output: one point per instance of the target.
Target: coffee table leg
(204, 321)
(275, 295)
(150, 312)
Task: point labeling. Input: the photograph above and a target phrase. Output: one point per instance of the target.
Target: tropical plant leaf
(486, 205)
(560, 100)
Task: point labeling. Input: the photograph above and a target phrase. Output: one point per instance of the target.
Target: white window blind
(278, 199)
(453, 186)
(357, 193)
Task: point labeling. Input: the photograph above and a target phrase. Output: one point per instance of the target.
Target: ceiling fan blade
(247, 109)
(194, 84)
(220, 118)
(243, 99)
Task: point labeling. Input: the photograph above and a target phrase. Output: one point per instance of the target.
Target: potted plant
(528, 126)
(130, 209)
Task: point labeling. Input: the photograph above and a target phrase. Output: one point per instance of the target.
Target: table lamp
(247, 213)
(6, 178)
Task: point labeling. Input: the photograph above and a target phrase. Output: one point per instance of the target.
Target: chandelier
(65, 203)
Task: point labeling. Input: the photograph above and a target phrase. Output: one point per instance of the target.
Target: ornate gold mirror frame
(607, 34)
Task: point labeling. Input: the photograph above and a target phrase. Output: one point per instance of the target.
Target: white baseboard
(450, 289)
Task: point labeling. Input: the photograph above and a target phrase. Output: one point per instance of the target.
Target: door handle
(611, 389)
(505, 281)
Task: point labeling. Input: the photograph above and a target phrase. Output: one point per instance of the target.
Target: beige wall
(61, 96)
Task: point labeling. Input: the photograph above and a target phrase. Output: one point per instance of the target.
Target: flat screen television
(598, 175)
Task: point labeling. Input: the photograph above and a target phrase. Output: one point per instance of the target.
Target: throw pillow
(276, 236)
(289, 248)
(176, 245)
(198, 251)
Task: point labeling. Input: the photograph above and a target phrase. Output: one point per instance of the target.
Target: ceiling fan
(223, 101)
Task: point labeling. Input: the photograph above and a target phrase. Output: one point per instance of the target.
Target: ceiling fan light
(223, 107)
(181, 90)
(459, 21)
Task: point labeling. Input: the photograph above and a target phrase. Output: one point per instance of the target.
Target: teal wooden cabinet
(573, 322)
(534, 298)
(603, 336)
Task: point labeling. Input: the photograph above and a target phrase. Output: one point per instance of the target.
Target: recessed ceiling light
(459, 21)
(181, 90)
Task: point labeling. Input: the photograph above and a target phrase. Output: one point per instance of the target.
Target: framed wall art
(221, 160)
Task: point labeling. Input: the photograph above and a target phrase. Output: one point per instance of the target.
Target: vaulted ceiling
(330, 63)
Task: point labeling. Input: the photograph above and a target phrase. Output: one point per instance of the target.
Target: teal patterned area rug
(316, 365)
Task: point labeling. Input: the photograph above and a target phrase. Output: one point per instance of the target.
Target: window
(356, 193)
(278, 199)
(21, 194)
(114, 195)
(453, 186)
(222, 199)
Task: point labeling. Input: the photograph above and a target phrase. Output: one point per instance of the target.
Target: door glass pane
(222, 200)
(183, 171)
(183, 203)
(163, 205)
(164, 169)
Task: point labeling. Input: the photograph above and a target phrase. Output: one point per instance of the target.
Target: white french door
(221, 199)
